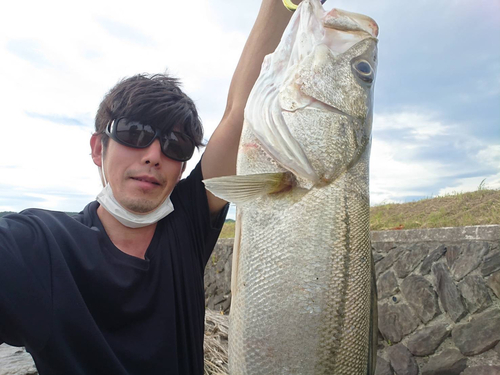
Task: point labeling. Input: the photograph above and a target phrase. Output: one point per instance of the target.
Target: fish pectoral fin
(244, 188)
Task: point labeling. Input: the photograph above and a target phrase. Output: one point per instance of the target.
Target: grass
(480, 207)
(228, 229)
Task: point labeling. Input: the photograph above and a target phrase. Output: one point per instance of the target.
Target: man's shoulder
(35, 214)
(51, 217)
(41, 212)
(37, 231)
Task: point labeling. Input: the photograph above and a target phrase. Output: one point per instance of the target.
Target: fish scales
(302, 285)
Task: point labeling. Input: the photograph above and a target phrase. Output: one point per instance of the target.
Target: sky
(436, 127)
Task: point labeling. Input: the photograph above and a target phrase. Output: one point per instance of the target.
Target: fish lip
(146, 178)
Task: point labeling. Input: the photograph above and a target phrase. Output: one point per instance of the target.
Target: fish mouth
(342, 20)
(316, 104)
(327, 107)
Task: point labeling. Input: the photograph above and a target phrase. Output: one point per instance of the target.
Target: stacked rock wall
(439, 299)
(218, 276)
(439, 308)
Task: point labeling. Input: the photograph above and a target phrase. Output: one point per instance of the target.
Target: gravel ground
(16, 361)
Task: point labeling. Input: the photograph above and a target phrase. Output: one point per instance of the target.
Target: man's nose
(152, 154)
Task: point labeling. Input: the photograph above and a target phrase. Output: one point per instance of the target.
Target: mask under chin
(108, 201)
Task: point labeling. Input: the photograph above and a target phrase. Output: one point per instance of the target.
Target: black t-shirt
(82, 306)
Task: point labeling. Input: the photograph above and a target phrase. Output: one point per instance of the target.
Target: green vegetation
(481, 207)
(228, 229)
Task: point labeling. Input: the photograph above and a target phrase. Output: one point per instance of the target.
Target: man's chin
(140, 207)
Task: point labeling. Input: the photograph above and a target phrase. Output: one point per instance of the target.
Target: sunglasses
(174, 145)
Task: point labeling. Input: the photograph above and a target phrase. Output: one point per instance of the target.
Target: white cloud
(200, 42)
(464, 185)
(391, 180)
(490, 155)
(49, 202)
(41, 155)
(395, 170)
(398, 169)
(82, 61)
(420, 124)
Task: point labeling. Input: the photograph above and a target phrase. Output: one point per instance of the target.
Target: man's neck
(132, 241)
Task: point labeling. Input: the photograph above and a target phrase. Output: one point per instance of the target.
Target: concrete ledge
(452, 234)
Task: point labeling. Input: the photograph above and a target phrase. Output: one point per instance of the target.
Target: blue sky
(436, 126)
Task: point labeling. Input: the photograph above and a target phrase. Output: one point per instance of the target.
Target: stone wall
(218, 276)
(439, 299)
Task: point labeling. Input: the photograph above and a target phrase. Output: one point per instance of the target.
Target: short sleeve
(191, 195)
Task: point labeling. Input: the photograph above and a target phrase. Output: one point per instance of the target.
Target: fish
(302, 285)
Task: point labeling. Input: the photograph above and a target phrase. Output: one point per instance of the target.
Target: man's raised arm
(220, 155)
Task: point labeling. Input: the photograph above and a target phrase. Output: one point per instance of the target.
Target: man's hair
(154, 100)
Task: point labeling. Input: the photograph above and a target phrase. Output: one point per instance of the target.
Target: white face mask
(127, 218)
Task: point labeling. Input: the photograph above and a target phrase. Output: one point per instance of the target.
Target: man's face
(141, 179)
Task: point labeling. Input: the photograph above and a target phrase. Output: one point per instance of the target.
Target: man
(118, 288)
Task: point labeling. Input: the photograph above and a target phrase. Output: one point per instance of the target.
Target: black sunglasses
(175, 145)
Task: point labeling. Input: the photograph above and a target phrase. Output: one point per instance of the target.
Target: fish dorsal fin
(263, 112)
(245, 188)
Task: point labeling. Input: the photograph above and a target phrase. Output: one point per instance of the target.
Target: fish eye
(363, 67)
(363, 70)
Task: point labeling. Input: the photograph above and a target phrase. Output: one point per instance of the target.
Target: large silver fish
(303, 292)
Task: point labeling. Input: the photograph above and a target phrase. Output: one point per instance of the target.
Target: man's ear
(97, 149)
